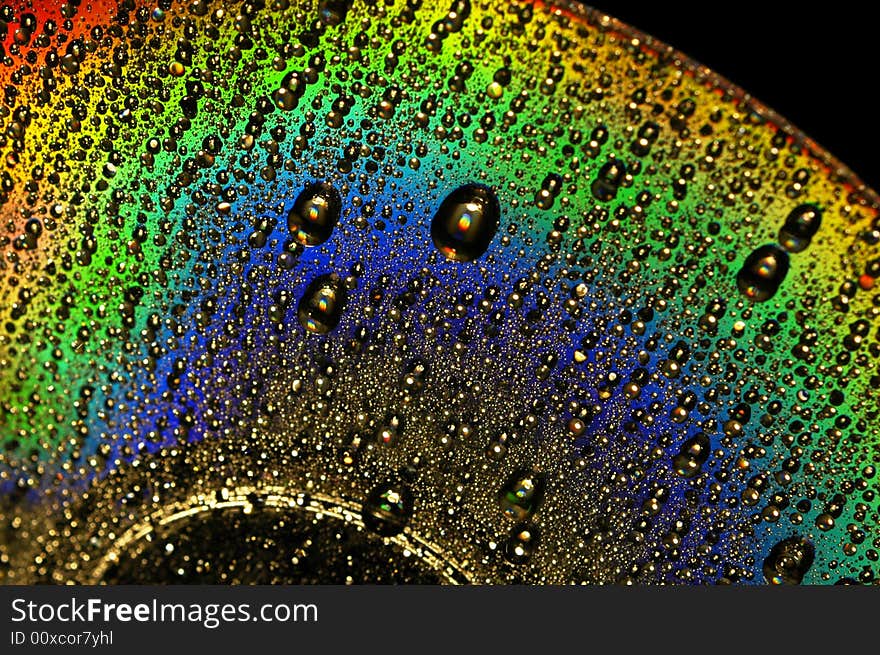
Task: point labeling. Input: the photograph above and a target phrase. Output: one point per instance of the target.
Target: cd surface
(420, 291)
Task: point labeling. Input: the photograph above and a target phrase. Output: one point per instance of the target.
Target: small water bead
(333, 12)
(496, 450)
(413, 378)
(610, 177)
(804, 220)
(763, 272)
(522, 543)
(499, 445)
(389, 432)
(647, 135)
(388, 508)
(466, 222)
(551, 187)
(824, 521)
(789, 561)
(494, 90)
(314, 214)
(321, 306)
(693, 454)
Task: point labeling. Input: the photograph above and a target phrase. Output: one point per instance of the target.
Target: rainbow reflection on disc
(421, 291)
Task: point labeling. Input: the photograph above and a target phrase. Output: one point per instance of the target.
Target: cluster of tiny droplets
(420, 291)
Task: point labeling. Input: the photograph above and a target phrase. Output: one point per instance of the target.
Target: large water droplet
(314, 214)
(387, 509)
(466, 222)
(762, 272)
(293, 86)
(789, 561)
(320, 307)
(800, 227)
(522, 494)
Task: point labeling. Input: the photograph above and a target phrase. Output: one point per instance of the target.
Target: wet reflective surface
(421, 292)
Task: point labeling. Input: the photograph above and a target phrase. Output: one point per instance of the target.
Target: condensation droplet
(387, 509)
(763, 272)
(314, 214)
(522, 494)
(789, 561)
(522, 543)
(466, 222)
(800, 227)
(320, 307)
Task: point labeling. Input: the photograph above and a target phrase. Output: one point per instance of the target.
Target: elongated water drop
(789, 561)
(466, 222)
(800, 227)
(321, 306)
(314, 214)
(763, 272)
(522, 494)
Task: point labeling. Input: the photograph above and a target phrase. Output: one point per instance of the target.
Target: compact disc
(480, 291)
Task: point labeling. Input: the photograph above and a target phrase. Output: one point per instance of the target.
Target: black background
(814, 63)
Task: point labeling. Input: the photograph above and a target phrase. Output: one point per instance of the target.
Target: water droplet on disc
(800, 227)
(314, 214)
(466, 222)
(763, 272)
(322, 303)
(522, 494)
(789, 561)
(522, 543)
(387, 509)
